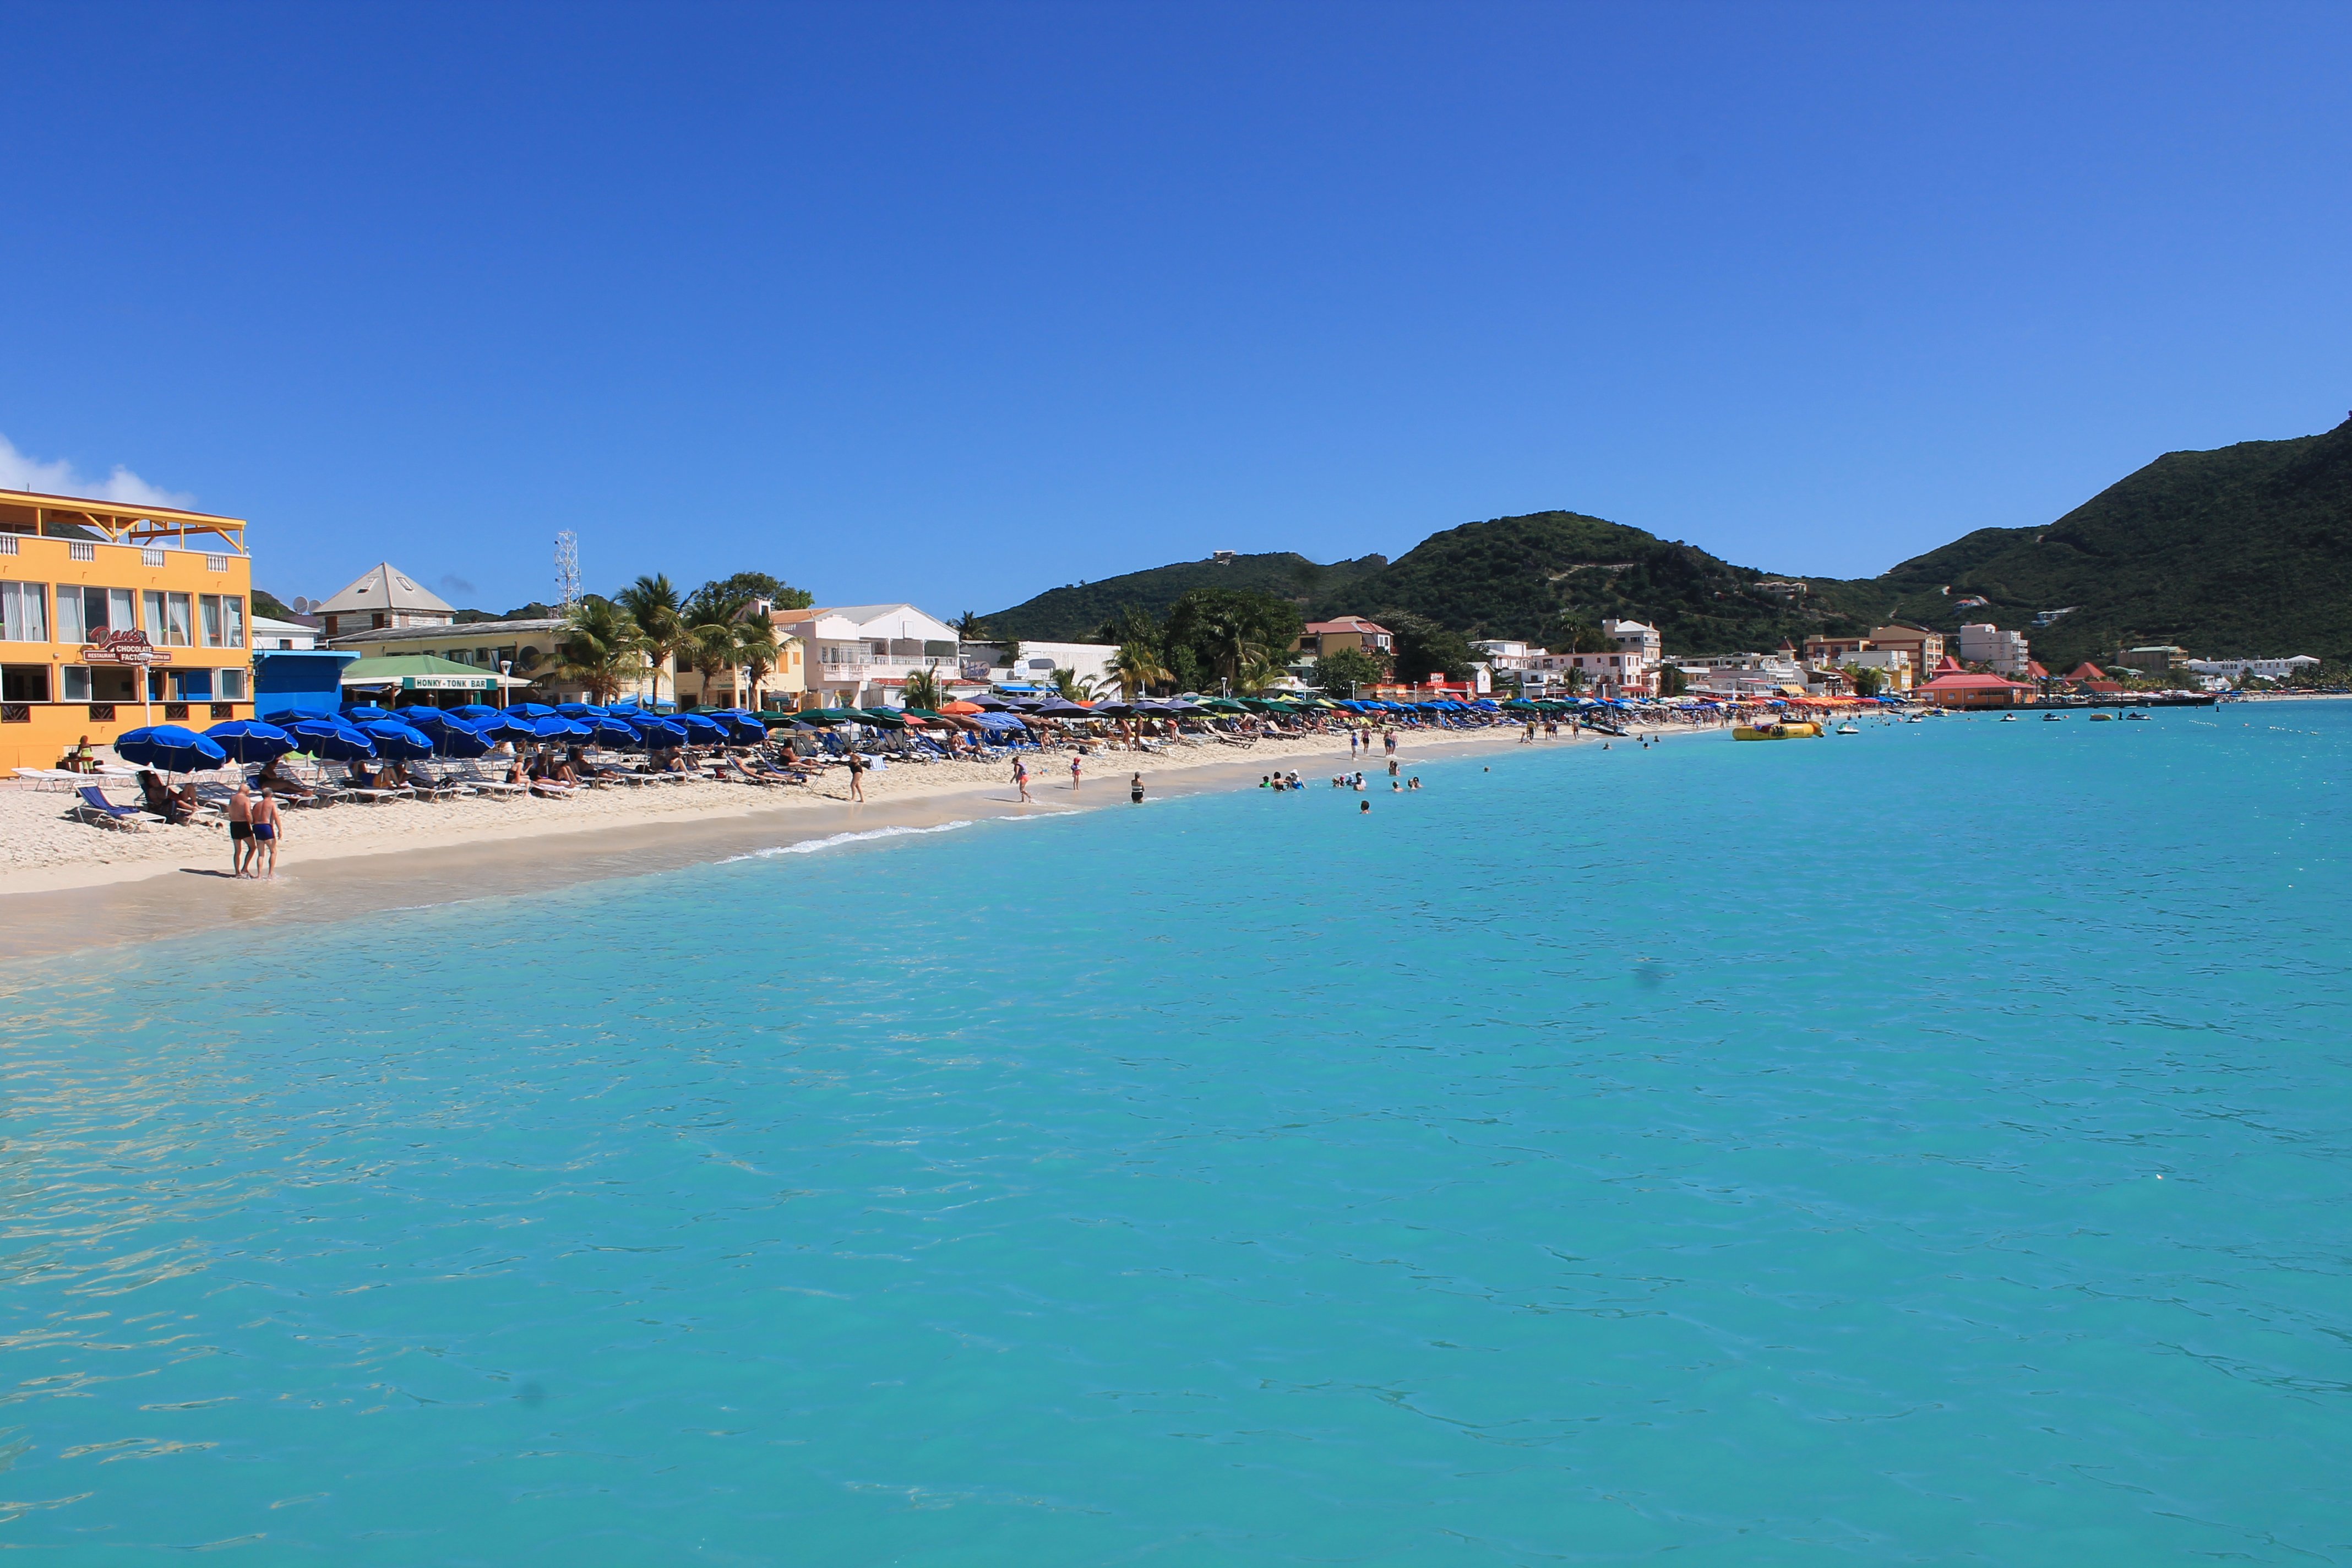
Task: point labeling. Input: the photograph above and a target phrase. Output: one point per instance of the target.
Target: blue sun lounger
(96, 808)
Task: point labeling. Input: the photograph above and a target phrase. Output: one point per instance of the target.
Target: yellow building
(114, 616)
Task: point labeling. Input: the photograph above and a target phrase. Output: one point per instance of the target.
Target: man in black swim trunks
(240, 829)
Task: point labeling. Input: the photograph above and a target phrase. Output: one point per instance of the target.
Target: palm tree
(653, 604)
(600, 647)
(970, 627)
(1137, 668)
(1230, 642)
(1262, 674)
(756, 647)
(925, 692)
(1073, 685)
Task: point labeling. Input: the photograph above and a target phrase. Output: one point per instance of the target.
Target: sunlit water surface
(1927, 1145)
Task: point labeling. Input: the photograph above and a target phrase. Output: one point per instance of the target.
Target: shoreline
(379, 863)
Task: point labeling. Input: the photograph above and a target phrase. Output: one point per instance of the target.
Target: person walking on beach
(266, 826)
(1021, 779)
(1074, 773)
(240, 829)
(1388, 739)
(858, 777)
(1134, 789)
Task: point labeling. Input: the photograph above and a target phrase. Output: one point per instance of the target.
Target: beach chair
(482, 781)
(93, 807)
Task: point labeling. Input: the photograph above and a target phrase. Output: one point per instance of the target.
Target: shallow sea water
(1930, 1145)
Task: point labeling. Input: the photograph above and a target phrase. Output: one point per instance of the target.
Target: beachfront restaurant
(402, 680)
(116, 615)
(1969, 690)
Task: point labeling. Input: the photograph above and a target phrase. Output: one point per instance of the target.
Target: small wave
(811, 846)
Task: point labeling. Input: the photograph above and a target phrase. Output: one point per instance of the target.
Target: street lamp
(506, 669)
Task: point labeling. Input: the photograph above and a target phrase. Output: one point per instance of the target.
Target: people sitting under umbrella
(273, 775)
(170, 804)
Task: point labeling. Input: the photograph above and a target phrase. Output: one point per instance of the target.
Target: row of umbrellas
(411, 734)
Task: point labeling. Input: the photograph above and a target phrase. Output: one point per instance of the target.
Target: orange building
(113, 616)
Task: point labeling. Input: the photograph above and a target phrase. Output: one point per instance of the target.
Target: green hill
(1526, 577)
(1072, 614)
(2242, 551)
(2239, 552)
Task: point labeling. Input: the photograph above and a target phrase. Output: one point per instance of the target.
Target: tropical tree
(1224, 631)
(653, 605)
(1263, 672)
(1672, 681)
(600, 647)
(925, 691)
(755, 654)
(1343, 670)
(761, 585)
(1073, 685)
(1867, 682)
(970, 627)
(1136, 666)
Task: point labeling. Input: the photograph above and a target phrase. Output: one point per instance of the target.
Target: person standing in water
(1134, 789)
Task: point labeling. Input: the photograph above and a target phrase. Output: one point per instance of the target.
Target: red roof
(2033, 668)
(2086, 671)
(1948, 665)
(1963, 681)
(1345, 624)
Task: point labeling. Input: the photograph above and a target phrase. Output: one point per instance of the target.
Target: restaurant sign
(446, 683)
(124, 647)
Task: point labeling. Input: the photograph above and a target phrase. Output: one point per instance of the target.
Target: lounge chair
(481, 782)
(94, 808)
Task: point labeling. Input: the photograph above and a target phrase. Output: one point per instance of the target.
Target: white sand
(44, 848)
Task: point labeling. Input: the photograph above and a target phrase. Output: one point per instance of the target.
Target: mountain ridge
(2233, 552)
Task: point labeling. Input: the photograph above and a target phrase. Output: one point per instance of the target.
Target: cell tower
(567, 568)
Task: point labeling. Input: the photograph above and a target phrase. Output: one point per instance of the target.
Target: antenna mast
(567, 569)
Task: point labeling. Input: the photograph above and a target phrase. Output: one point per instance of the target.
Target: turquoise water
(1924, 1146)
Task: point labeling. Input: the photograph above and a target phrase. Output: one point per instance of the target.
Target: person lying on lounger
(171, 806)
(275, 779)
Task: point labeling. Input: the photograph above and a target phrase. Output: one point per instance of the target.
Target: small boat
(2008, 718)
(2137, 718)
(2101, 718)
(2054, 718)
(1791, 730)
(1849, 728)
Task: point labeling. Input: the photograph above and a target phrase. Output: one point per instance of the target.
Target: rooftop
(383, 587)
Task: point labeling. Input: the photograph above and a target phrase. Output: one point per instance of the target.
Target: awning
(425, 672)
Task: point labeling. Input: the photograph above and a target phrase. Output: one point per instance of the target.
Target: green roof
(420, 672)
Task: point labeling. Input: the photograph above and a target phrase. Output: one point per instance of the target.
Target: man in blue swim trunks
(266, 826)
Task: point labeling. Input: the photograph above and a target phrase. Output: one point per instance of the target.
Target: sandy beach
(66, 885)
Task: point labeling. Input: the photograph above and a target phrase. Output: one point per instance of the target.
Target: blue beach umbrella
(331, 739)
(366, 712)
(580, 710)
(532, 710)
(610, 731)
(473, 711)
(700, 729)
(396, 742)
(169, 747)
(456, 737)
(250, 740)
(661, 732)
(742, 727)
(556, 727)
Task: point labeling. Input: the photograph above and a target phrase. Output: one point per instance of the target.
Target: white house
(274, 636)
(1034, 663)
(1632, 636)
(2258, 669)
(859, 656)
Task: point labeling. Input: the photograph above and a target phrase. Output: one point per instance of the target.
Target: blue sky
(956, 303)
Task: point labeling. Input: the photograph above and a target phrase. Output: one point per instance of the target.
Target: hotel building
(113, 616)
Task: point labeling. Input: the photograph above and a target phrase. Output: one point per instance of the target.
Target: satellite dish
(301, 605)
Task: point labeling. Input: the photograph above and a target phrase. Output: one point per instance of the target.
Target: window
(75, 679)
(167, 618)
(232, 684)
(222, 615)
(23, 683)
(23, 615)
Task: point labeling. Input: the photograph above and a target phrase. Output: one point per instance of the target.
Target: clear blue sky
(958, 302)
